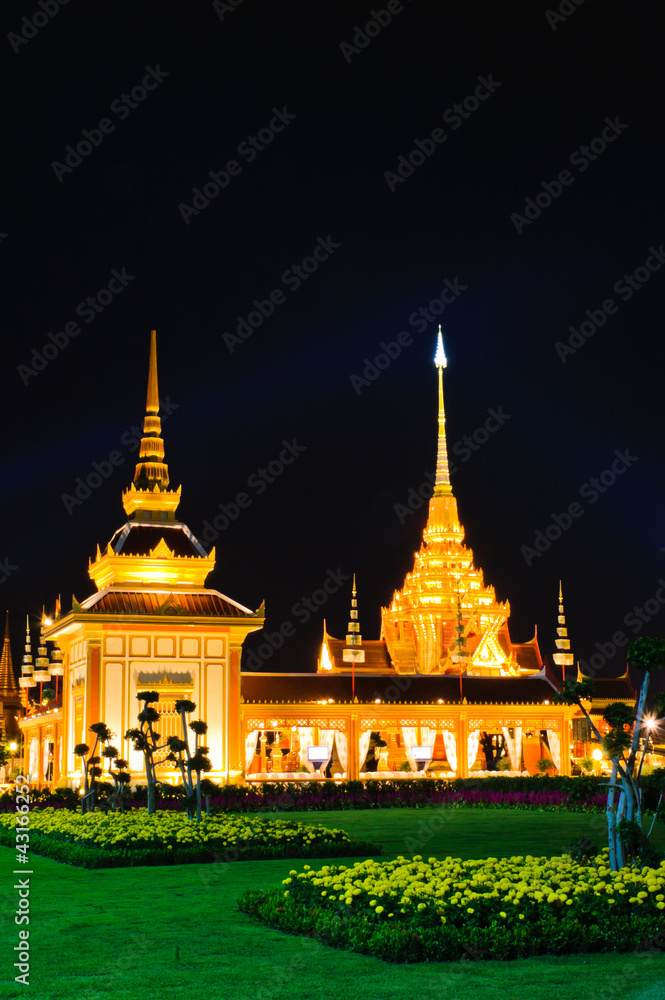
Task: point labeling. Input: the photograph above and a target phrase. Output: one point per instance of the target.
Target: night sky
(523, 211)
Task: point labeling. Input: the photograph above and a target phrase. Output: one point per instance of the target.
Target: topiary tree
(190, 763)
(121, 780)
(91, 765)
(146, 741)
(545, 764)
(627, 726)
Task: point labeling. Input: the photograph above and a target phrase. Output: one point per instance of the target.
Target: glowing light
(650, 722)
(377, 701)
(13, 747)
(48, 621)
(597, 754)
(440, 359)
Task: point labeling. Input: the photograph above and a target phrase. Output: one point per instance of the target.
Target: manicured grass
(173, 932)
(468, 833)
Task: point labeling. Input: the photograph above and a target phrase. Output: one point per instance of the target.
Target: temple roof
(392, 689)
(377, 657)
(136, 538)
(112, 601)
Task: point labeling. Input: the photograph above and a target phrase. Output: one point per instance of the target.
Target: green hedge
(553, 934)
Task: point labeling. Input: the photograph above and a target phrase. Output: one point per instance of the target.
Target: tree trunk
(198, 797)
(611, 817)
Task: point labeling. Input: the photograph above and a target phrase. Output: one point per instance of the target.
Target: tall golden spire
(149, 491)
(562, 659)
(8, 687)
(442, 481)
(444, 598)
(151, 470)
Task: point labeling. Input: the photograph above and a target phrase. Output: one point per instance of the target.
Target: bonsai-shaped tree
(190, 764)
(544, 765)
(146, 740)
(118, 769)
(91, 765)
(627, 727)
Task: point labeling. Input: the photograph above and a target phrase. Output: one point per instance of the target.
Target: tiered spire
(42, 663)
(444, 598)
(26, 680)
(354, 637)
(562, 659)
(442, 480)
(151, 470)
(8, 687)
(149, 492)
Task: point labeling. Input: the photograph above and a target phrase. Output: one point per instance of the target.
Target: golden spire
(8, 687)
(562, 659)
(26, 679)
(354, 637)
(442, 481)
(151, 470)
(149, 491)
(422, 625)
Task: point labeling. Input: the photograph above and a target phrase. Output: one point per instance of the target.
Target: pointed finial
(440, 359)
(353, 590)
(564, 658)
(152, 399)
(442, 480)
(152, 473)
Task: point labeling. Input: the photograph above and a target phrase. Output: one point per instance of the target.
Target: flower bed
(414, 911)
(550, 794)
(99, 840)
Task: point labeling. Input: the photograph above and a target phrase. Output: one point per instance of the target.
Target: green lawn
(175, 932)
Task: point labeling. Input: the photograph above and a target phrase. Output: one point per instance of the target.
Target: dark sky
(560, 119)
